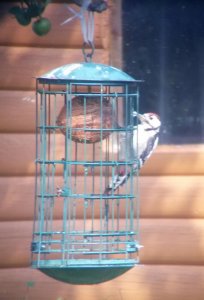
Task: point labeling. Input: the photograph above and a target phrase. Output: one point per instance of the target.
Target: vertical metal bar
(137, 182)
(69, 170)
(36, 204)
(75, 184)
(85, 159)
(102, 209)
(43, 170)
(67, 175)
(48, 167)
(93, 189)
(53, 158)
(111, 150)
(127, 154)
(131, 226)
(74, 89)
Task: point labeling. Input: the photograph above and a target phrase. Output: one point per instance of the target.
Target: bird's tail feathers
(118, 180)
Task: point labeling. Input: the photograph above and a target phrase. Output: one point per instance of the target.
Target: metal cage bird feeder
(81, 234)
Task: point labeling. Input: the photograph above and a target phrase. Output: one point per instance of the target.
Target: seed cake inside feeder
(87, 120)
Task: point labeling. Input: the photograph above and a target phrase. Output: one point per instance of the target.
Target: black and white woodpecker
(145, 140)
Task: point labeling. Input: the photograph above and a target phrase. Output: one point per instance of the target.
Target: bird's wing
(151, 145)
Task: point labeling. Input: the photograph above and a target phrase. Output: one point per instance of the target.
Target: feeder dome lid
(86, 71)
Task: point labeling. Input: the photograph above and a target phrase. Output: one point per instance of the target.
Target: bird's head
(150, 121)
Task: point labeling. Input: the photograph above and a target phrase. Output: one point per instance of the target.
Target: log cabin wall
(171, 183)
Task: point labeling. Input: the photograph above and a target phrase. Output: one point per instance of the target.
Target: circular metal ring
(88, 55)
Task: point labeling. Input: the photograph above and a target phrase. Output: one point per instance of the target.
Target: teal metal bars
(77, 225)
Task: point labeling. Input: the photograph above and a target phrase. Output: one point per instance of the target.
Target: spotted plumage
(145, 140)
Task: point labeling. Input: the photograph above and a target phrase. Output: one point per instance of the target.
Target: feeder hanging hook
(88, 55)
(87, 26)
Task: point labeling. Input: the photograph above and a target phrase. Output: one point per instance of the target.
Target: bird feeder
(84, 127)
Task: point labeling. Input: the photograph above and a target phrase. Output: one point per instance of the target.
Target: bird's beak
(142, 119)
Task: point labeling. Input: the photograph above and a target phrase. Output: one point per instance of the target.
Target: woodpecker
(145, 140)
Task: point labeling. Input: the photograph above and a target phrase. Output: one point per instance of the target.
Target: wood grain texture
(20, 65)
(17, 156)
(160, 197)
(17, 111)
(166, 241)
(144, 282)
(176, 160)
(116, 34)
(61, 36)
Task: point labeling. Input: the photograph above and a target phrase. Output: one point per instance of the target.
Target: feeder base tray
(85, 275)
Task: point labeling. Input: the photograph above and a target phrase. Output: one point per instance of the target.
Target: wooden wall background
(171, 185)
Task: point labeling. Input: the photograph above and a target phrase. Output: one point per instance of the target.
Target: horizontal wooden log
(166, 241)
(17, 111)
(19, 65)
(60, 36)
(171, 196)
(145, 282)
(176, 160)
(160, 197)
(17, 156)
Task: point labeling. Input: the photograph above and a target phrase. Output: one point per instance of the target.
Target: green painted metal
(87, 71)
(90, 242)
(83, 276)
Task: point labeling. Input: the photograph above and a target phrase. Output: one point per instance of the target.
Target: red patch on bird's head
(153, 114)
(121, 172)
